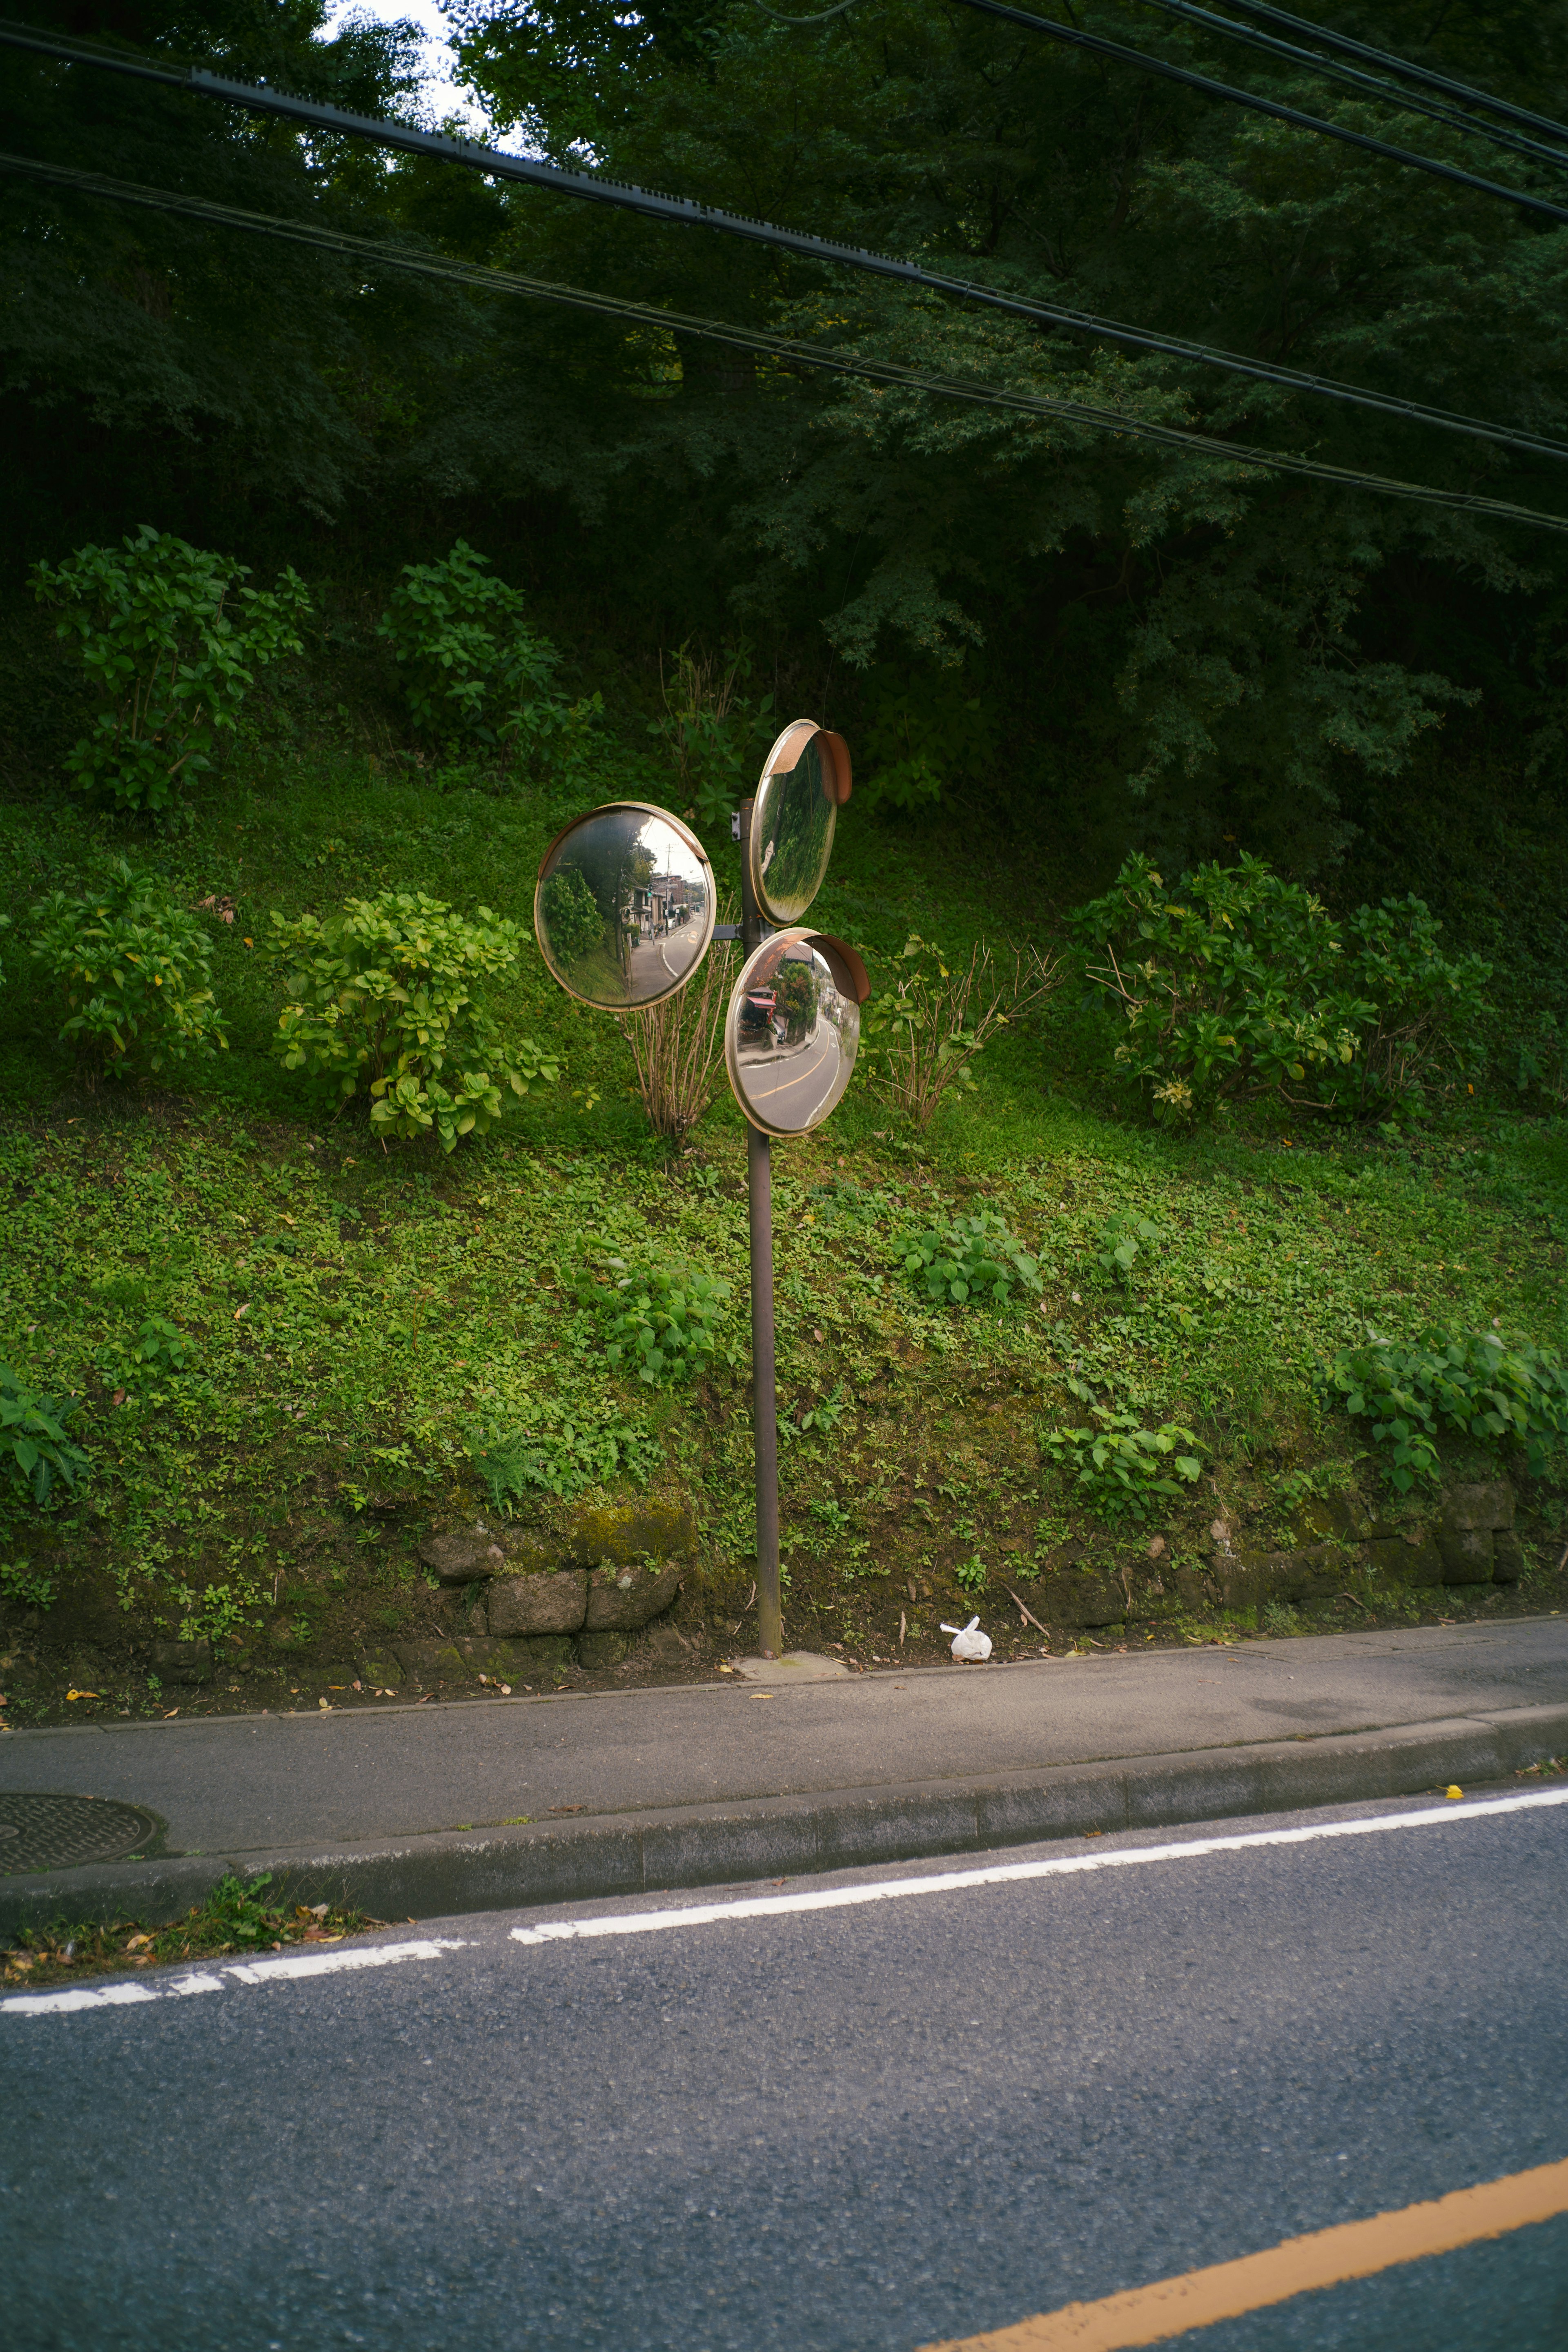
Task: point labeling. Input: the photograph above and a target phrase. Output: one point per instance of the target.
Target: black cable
(1370, 85)
(654, 205)
(1142, 63)
(788, 354)
(801, 23)
(1407, 71)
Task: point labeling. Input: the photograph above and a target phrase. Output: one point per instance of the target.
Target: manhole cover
(63, 1832)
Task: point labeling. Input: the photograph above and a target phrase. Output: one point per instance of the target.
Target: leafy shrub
(1248, 987)
(572, 915)
(975, 1257)
(677, 1046)
(1474, 1383)
(171, 645)
(34, 1450)
(1121, 1466)
(560, 1457)
(30, 1587)
(709, 727)
(1126, 1238)
(467, 658)
(134, 969)
(379, 1001)
(659, 1322)
(160, 1351)
(923, 1036)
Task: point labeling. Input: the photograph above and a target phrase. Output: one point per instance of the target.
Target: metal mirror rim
(610, 808)
(793, 936)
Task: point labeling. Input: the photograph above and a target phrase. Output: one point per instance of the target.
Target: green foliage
(1126, 1238)
(710, 727)
(160, 1352)
(468, 661)
(922, 1036)
(977, 1257)
(1120, 1466)
(169, 664)
(560, 1456)
(918, 735)
(134, 969)
(218, 1610)
(381, 1002)
(29, 1588)
(34, 1450)
(572, 915)
(1246, 986)
(1473, 1384)
(973, 1575)
(659, 1322)
(234, 1912)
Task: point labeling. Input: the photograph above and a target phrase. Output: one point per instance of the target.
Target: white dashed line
(292, 1965)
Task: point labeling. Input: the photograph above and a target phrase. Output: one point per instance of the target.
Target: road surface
(862, 2128)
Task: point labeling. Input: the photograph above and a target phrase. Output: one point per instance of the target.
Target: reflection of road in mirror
(793, 1039)
(624, 910)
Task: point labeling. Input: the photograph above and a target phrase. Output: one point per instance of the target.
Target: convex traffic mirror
(805, 781)
(625, 905)
(793, 1030)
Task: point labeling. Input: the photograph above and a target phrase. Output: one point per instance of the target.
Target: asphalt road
(850, 2129)
(252, 1783)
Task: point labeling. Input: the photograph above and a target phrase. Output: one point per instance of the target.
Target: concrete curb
(777, 1837)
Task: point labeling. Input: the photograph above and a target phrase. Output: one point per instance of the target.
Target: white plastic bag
(968, 1644)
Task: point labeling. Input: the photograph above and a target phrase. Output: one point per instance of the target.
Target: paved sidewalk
(425, 1808)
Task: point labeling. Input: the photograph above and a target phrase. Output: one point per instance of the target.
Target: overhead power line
(1386, 62)
(368, 252)
(1370, 85)
(1096, 46)
(684, 210)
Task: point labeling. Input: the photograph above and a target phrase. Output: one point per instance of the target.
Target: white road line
(243, 1972)
(948, 1882)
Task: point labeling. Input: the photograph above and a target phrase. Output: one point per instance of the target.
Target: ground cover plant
(294, 1343)
(240, 1916)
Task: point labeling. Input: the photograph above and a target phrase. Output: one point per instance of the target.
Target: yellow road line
(1356, 2250)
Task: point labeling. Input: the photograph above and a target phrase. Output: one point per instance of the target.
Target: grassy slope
(362, 1313)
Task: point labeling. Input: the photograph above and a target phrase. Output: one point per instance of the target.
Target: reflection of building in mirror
(625, 906)
(791, 1037)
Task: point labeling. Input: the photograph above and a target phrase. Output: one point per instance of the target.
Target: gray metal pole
(765, 1400)
(764, 1403)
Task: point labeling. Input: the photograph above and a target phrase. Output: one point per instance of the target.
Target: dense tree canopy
(1086, 614)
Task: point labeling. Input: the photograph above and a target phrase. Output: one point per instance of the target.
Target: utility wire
(275, 101)
(1387, 62)
(1097, 47)
(1370, 85)
(1434, 109)
(654, 205)
(368, 252)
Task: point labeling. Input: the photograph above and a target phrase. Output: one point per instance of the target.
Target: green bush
(977, 1257)
(1472, 1384)
(381, 1002)
(161, 1351)
(171, 645)
(659, 1322)
(1243, 985)
(34, 1450)
(560, 1457)
(1121, 1466)
(134, 968)
(573, 918)
(469, 662)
